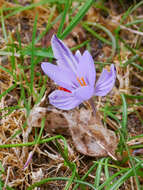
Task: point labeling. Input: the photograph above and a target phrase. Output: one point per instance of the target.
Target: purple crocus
(75, 74)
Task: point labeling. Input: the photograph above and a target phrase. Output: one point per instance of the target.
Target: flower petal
(77, 55)
(62, 53)
(86, 68)
(63, 77)
(63, 100)
(84, 93)
(105, 82)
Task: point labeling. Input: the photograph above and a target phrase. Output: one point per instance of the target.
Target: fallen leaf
(54, 123)
(89, 135)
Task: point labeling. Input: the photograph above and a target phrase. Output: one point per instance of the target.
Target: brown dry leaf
(89, 135)
(55, 122)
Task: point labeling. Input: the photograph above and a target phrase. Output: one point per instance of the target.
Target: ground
(59, 147)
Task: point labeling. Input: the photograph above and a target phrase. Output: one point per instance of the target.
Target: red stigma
(64, 89)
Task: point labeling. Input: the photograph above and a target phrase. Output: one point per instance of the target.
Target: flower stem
(91, 101)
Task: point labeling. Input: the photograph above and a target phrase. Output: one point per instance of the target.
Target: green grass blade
(67, 6)
(114, 47)
(77, 18)
(31, 6)
(124, 177)
(37, 184)
(86, 175)
(80, 45)
(137, 66)
(6, 70)
(41, 130)
(7, 91)
(136, 6)
(42, 91)
(133, 96)
(50, 23)
(32, 55)
(95, 34)
(3, 26)
(12, 58)
(124, 115)
(125, 15)
(34, 142)
(98, 173)
(134, 22)
(106, 169)
(71, 178)
(10, 110)
(42, 52)
(129, 61)
(111, 178)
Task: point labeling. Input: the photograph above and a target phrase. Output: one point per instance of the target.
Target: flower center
(81, 81)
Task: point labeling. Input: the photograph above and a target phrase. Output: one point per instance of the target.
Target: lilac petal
(86, 68)
(28, 160)
(105, 82)
(63, 77)
(84, 93)
(63, 54)
(63, 100)
(77, 55)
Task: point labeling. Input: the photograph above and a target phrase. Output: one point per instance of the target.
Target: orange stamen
(84, 84)
(81, 81)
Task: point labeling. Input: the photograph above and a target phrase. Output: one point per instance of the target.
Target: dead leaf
(54, 123)
(89, 135)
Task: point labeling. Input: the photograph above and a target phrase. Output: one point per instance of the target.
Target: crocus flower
(75, 75)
